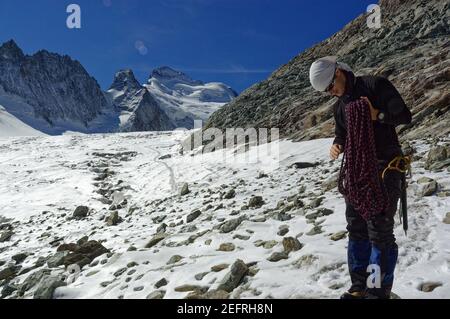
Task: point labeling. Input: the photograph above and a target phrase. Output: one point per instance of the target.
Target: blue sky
(238, 42)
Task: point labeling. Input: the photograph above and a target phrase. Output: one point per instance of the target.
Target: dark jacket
(384, 97)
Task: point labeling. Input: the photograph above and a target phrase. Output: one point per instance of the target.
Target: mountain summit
(139, 111)
(124, 79)
(165, 74)
(184, 99)
(11, 51)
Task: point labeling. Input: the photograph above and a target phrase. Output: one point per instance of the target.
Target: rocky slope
(411, 49)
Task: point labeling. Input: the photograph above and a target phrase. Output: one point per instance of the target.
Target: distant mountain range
(54, 94)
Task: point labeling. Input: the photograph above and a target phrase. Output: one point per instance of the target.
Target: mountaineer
(366, 114)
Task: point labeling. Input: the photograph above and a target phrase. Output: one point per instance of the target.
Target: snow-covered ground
(56, 174)
(12, 126)
(17, 118)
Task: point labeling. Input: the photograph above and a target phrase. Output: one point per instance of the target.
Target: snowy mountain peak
(167, 74)
(125, 79)
(139, 111)
(11, 51)
(184, 99)
(48, 91)
(53, 93)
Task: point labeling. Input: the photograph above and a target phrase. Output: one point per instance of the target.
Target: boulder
(430, 188)
(233, 278)
(256, 202)
(303, 165)
(184, 189)
(47, 287)
(226, 247)
(291, 244)
(83, 254)
(156, 239)
(230, 194)
(80, 212)
(192, 216)
(277, 256)
(113, 219)
(231, 225)
(6, 236)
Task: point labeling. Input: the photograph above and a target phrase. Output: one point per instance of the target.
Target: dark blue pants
(373, 241)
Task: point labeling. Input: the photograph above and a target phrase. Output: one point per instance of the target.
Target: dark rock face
(438, 158)
(47, 287)
(232, 279)
(82, 254)
(256, 202)
(9, 272)
(146, 115)
(6, 236)
(57, 87)
(80, 212)
(156, 239)
(231, 224)
(192, 216)
(411, 49)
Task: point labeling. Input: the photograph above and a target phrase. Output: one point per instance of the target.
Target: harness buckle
(400, 164)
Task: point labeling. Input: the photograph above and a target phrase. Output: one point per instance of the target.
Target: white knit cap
(322, 72)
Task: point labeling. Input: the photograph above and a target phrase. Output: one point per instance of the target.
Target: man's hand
(335, 151)
(373, 111)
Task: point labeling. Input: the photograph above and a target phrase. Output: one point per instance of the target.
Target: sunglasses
(333, 81)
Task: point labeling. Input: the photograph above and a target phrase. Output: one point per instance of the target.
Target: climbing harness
(401, 164)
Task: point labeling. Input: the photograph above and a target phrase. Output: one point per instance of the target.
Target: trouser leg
(384, 251)
(358, 250)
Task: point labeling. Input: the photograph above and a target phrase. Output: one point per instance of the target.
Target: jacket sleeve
(392, 105)
(340, 132)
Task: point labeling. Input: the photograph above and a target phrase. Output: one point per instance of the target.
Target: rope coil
(359, 178)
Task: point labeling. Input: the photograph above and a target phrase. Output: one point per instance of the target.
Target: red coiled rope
(359, 179)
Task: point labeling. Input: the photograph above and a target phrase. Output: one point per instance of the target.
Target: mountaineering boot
(353, 295)
(358, 254)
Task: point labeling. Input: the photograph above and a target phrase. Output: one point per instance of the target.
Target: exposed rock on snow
(197, 255)
(233, 278)
(184, 189)
(291, 244)
(82, 254)
(47, 287)
(277, 256)
(156, 239)
(6, 235)
(232, 224)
